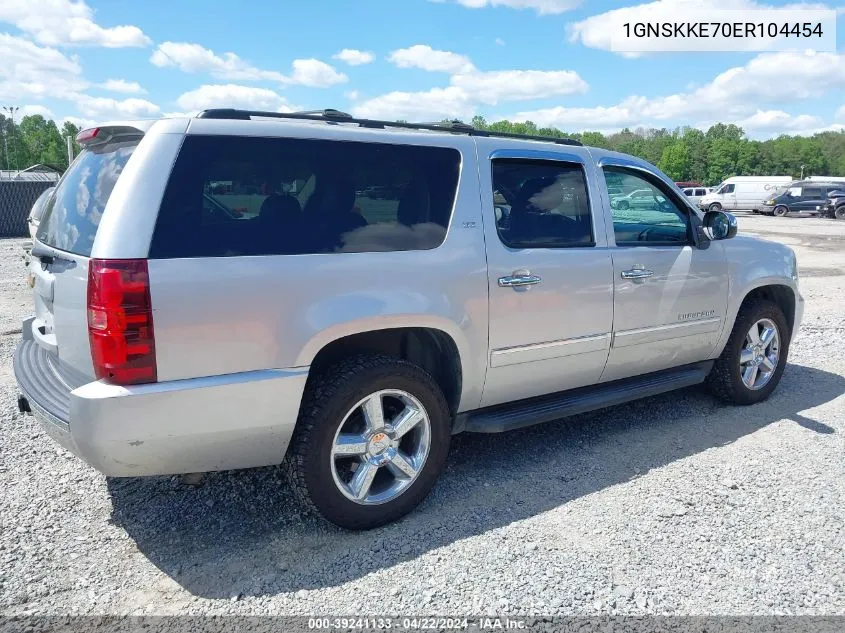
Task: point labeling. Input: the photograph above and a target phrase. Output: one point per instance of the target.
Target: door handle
(517, 280)
(637, 273)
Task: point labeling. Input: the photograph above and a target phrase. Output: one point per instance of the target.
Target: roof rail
(336, 116)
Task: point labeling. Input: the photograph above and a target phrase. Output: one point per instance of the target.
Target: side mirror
(719, 225)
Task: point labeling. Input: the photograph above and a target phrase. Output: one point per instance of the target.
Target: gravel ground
(675, 504)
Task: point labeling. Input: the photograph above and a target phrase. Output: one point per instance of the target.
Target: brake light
(87, 135)
(120, 321)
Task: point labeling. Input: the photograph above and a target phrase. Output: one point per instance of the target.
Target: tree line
(35, 140)
(684, 154)
(708, 157)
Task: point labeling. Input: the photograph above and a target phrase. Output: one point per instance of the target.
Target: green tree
(675, 161)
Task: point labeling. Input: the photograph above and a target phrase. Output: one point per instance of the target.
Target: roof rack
(336, 116)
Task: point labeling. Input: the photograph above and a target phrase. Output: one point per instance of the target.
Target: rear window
(231, 196)
(72, 215)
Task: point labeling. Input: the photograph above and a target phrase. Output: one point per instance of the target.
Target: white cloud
(543, 7)
(518, 85)
(67, 23)
(233, 96)
(352, 95)
(354, 57)
(193, 58)
(500, 41)
(424, 57)
(596, 31)
(103, 108)
(840, 114)
(431, 105)
(31, 71)
(28, 110)
(317, 74)
(121, 85)
(734, 95)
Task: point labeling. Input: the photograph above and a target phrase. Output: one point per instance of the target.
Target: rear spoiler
(109, 132)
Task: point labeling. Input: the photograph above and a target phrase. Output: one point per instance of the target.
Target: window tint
(232, 196)
(646, 214)
(541, 204)
(701, 192)
(72, 214)
(727, 189)
(811, 193)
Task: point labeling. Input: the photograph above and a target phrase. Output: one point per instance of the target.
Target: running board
(516, 415)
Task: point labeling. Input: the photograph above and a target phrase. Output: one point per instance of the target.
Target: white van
(744, 192)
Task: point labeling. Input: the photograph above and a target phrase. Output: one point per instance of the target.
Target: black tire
(623, 205)
(724, 380)
(328, 398)
(840, 213)
(780, 211)
(715, 207)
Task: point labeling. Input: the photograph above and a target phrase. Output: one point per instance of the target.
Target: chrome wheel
(760, 353)
(380, 447)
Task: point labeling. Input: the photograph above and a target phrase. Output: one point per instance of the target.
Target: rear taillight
(120, 321)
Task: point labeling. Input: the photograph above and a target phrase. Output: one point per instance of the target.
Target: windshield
(72, 215)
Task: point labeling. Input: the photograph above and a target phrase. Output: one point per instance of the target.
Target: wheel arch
(777, 291)
(433, 348)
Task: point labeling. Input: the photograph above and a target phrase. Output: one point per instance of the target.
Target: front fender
(752, 264)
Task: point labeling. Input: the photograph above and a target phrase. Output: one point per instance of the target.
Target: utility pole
(5, 143)
(69, 149)
(802, 171)
(12, 110)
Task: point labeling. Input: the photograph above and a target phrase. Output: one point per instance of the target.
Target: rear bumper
(196, 425)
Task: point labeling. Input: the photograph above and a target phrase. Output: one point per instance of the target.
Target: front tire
(752, 363)
(715, 207)
(371, 440)
(840, 213)
(780, 211)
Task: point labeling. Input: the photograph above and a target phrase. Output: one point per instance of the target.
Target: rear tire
(342, 461)
(744, 359)
(780, 211)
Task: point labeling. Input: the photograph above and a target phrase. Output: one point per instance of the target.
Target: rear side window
(231, 196)
(541, 204)
(72, 215)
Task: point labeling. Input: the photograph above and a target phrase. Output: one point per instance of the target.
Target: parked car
(834, 206)
(695, 194)
(801, 197)
(638, 199)
(688, 184)
(350, 346)
(744, 192)
(37, 210)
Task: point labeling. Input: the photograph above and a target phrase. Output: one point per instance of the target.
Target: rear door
(549, 272)
(62, 249)
(811, 197)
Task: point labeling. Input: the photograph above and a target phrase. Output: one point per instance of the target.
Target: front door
(670, 296)
(549, 274)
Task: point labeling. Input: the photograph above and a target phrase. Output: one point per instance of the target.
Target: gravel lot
(675, 505)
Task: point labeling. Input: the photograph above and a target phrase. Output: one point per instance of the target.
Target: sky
(548, 61)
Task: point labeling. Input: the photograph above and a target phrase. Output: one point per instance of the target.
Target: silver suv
(341, 296)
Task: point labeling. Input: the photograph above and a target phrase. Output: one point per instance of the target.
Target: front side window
(646, 214)
(541, 204)
(231, 196)
(727, 189)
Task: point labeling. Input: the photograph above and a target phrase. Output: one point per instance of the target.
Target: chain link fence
(16, 200)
